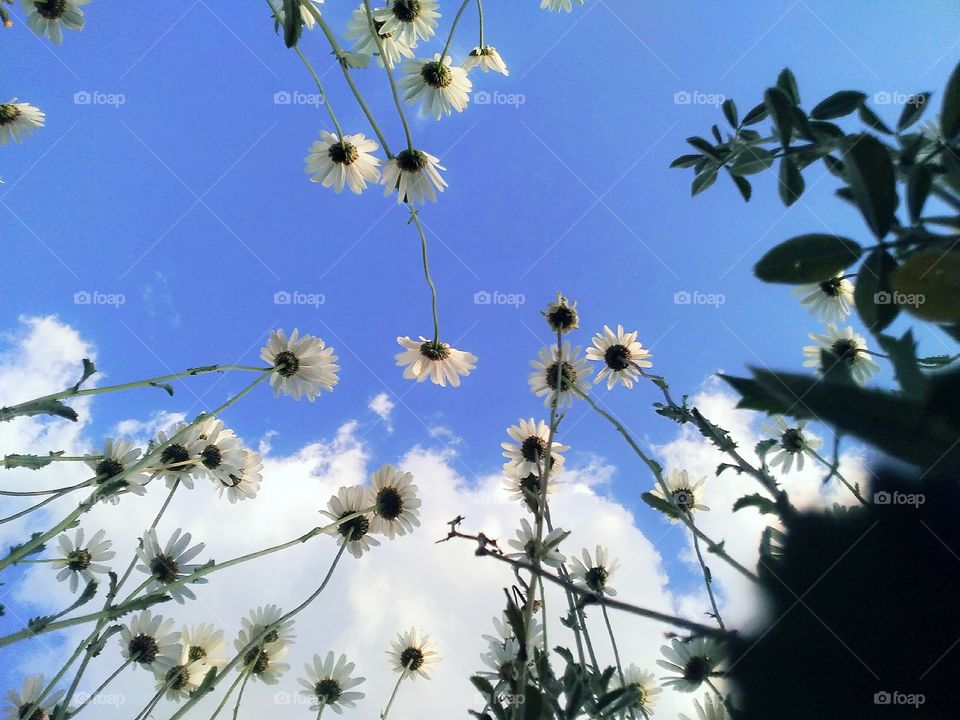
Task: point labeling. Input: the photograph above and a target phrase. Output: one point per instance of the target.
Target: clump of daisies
(18, 120)
(434, 359)
(410, 20)
(303, 366)
(388, 46)
(264, 640)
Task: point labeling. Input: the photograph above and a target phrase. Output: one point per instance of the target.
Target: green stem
(835, 472)
(480, 13)
(55, 491)
(453, 28)
(243, 686)
(708, 581)
(240, 678)
(393, 83)
(323, 95)
(37, 506)
(616, 651)
(102, 686)
(393, 696)
(426, 271)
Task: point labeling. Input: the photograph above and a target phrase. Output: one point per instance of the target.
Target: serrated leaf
(790, 182)
(660, 505)
(89, 369)
(807, 258)
(751, 160)
(873, 292)
(163, 386)
(40, 407)
(913, 110)
(763, 447)
(869, 173)
(764, 505)
(31, 462)
(839, 104)
(903, 357)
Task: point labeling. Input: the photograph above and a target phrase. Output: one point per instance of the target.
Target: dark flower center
(177, 455)
(389, 503)
(435, 350)
(845, 350)
(196, 653)
(164, 568)
(617, 357)
(562, 317)
(406, 10)
(178, 677)
(641, 693)
(343, 153)
(8, 113)
(531, 483)
(596, 578)
(696, 670)
(831, 287)
(569, 375)
(79, 560)
(436, 74)
(51, 9)
(411, 160)
(31, 711)
(328, 690)
(143, 649)
(684, 498)
(792, 440)
(257, 660)
(411, 658)
(533, 448)
(286, 363)
(107, 468)
(354, 529)
(211, 456)
(271, 637)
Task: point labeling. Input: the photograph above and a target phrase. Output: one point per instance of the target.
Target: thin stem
(37, 506)
(323, 95)
(616, 651)
(106, 682)
(426, 271)
(708, 581)
(835, 472)
(453, 28)
(393, 83)
(240, 677)
(480, 13)
(393, 696)
(243, 686)
(53, 491)
(571, 605)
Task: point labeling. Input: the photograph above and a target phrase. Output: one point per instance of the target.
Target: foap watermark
(295, 97)
(896, 497)
(288, 698)
(898, 698)
(483, 97)
(685, 297)
(898, 298)
(86, 297)
(895, 97)
(482, 297)
(697, 97)
(96, 97)
(111, 699)
(285, 297)
(505, 699)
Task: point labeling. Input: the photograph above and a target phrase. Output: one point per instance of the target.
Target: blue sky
(190, 200)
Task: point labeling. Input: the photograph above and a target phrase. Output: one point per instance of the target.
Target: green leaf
(764, 505)
(483, 685)
(729, 108)
(873, 292)
(703, 146)
(869, 117)
(788, 84)
(751, 160)
(950, 110)
(163, 386)
(912, 111)
(754, 396)
(791, 181)
(702, 181)
(807, 259)
(755, 115)
(918, 189)
(685, 161)
(903, 356)
(660, 505)
(781, 110)
(764, 446)
(743, 185)
(40, 407)
(834, 165)
(838, 105)
(292, 22)
(928, 285)
(871, 177)
(88, 369)
(32, 462)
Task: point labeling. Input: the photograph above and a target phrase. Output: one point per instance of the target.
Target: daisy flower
(526, 488)
(645, 685)
(394, 45)
(328, 683)
(848, 347)
(119, 455)
(17, 120)
(45, 17)
(408, 19)
(486, 58)
(415, 175)
(435, 360)
(412, 654)
(178, 681)
(712, 709)
(793, 443)
(334, 163)
(682, 493)
(222, 455)
(263, 662)
(573, 367)
(830, 301)
(526, 543)
(178, 460)
(692, 662)
(441, 86)
(206, 644)
(621, 355)
(355, 533)
(24, 704)
(264, 616)
(561, 315)
(594, 576)
(302, 366)
(83, 560)
(396, 501)
(150, 641)
(168, 563)
(244, 483)
(528, 457)
(504, 649)
(558, 5)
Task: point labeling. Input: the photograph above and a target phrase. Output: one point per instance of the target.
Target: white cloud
(382, 406)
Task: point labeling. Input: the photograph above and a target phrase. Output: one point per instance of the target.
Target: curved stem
(243, 686)
(393, 696)
(453, 28)
(393, 83)
(37, 506)
(480, 13)
(323, 95)
(106, 682)
(53, 491)
(616, 651)
(708, 581)
(240, 677)
(835, 472)
(426, 271)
